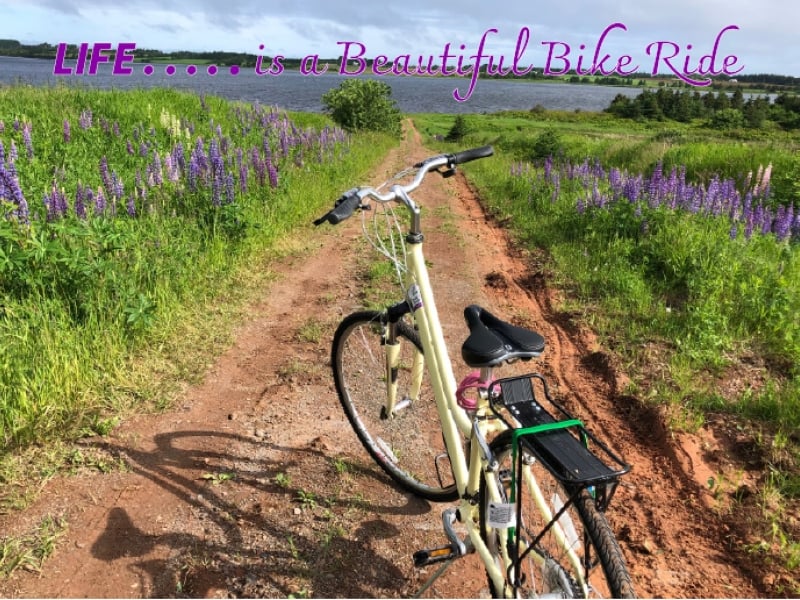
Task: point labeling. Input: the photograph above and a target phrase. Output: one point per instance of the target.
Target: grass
(705, 324)
(30, 551)
(114, 309)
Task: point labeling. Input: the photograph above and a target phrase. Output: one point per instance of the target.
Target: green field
(132, 223)
(678, 244)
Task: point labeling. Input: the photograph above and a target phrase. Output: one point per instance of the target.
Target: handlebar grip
(473, 154)
(344, 208)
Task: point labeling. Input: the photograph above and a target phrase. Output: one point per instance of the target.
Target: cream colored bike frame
(455, 423)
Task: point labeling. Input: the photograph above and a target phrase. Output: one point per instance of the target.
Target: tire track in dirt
(255, 485)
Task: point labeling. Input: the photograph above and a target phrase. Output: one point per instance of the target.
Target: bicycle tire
(404, 446)
(554, 573)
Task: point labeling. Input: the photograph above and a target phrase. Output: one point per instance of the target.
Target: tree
(458, 130)
(363, 104)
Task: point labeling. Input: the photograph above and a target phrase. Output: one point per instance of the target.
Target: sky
(764, 37)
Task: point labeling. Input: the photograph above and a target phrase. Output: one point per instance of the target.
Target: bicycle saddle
(492, 341)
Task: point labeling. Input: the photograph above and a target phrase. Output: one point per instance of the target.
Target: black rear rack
(562, 446)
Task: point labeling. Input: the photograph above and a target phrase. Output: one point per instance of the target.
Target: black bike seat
(492, 341)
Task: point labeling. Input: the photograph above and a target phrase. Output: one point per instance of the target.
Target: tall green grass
(96, 309)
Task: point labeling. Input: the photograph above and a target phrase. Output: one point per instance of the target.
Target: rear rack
(562, 446)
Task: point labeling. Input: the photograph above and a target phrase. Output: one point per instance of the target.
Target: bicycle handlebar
(348, 202)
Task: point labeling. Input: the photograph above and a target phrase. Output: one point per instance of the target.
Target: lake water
(293, 91)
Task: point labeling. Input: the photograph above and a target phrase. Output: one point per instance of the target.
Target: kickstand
(435, 576)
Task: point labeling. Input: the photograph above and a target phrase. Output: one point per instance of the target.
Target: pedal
(424, 558)
(455, 549)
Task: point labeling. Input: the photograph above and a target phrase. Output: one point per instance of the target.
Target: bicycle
(530, 491)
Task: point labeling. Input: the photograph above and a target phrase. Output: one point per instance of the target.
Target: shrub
(458, 130)
(363, 104)
(547, 144)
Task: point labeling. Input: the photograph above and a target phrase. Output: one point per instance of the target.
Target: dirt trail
(254, 485)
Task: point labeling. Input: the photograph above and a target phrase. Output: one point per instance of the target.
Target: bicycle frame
(457, 424)
(454, 421)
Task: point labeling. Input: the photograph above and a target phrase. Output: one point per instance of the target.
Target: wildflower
(734, 231)
(272, 172)
(10, 190)
(116, 186)
(13, 154)
(158, 176)
(258, 165)
(130, 205)
(178, 158)
(100, 202)
(194, 172)
(85, 120)
(80, 206)
(229, 189)
(105, 176)
(216, 191)
(66, 132)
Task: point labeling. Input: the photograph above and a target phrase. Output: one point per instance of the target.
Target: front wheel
(407, 444)
(578, 556)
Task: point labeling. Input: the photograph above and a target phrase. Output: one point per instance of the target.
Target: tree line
(722, 110)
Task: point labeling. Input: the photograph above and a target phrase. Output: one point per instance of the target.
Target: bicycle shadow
(199, 565)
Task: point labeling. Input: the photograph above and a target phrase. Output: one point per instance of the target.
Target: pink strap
(473, 380)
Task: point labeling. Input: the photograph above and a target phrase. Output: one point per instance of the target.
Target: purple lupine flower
(16, 124)
(116, 186)
(2, 153)
(766, 225)
(80, 206)
(10, 190)
(215, 157)
(129, 148)
(100, 202)
(758, 217)
(67, 133)
(178, 158)
(13, 154)
(130, 205)
(654, 185)
(243, 174)
(115, 128)
(272, 172)
(200, 153)
(229, 189)
(49, 205)
(158, 176)
(777, 224)
(194, 172)
(61, 206)
(105, 176)
(85, 120)
(168, 164)
(104, 125)
(258, 165)
(143, 149)
(734, 231)
(216, 190)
